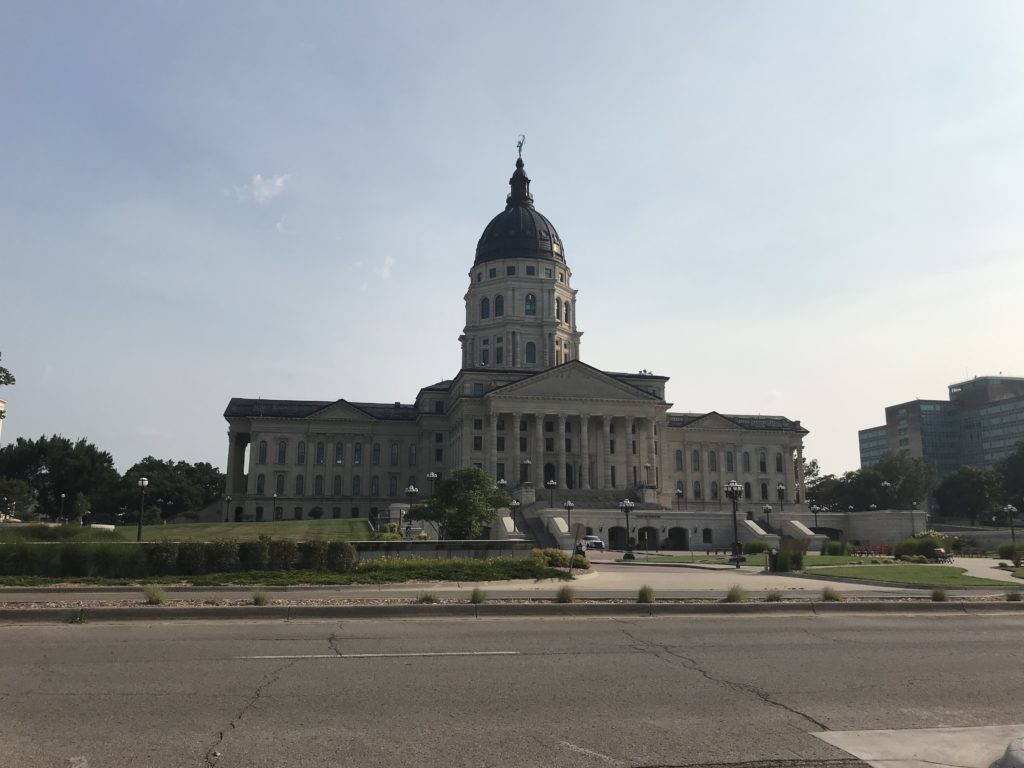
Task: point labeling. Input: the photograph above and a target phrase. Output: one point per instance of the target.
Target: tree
(463, 505)
(176, 487)
(16, 497)
(6, 380)
(1011, 473)
(969, 492)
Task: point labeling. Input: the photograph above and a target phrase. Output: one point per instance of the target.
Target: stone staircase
(590, 499)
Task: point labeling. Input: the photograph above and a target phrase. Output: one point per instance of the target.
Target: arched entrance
(647, 537)
(678, 538)
(617, 537)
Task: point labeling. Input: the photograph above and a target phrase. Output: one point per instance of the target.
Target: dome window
(485, 308)
(531, 304)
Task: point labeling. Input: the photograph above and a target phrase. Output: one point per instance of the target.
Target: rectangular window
(531, 271)
(549, 426)
(279, 485)
(510, 271)
(439, 406)
(478, 389)
(485, 357)
(357, 454)
(393, 486)
(611, 448)
(339, 452)
(412, 454)
(613, 477)
(478, 443)
(501, 443)
(478, 424)
(439, 454)
(394, 454)
(479, 277)
(522, 445)
(492, 272)
(561, 277)
(499, 355)
(376, 454)
(439, 437)
(501, 425)
(321, 452)
(568, 445)
(501, 471)
(547, 272)
(549, 444)
(634, 447)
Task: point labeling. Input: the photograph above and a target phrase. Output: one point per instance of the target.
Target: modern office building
(980, 424)
(525, 408)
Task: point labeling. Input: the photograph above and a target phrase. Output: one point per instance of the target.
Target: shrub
(254, 555)
(837, 548)
(831, 595)
(313, 555)
(939, 595)
(428, 598)
(222, 556)
(1014, 597)
(341, 556)
(116, 561)
(1006, 550)
(477, 596)
(773, 596)
(191, 557)
(259, 597)
(76, 561)
(162, 558)
(581, 562)
(736, 594)
(283, 555)
(646, 594)
(552, 557)
(791, 558)
(565, 595)
(154, 594)
(756, 547)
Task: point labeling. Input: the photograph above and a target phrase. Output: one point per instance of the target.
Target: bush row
(110, 560)
(924, 546)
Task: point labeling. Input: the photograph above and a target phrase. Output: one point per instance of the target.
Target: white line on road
(588, 752)
(383, 655)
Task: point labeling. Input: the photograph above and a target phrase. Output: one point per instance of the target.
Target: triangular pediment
(340, 410)
(574, 380)
(713, 420)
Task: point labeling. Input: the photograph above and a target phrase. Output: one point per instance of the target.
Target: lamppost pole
(514, 507)
(733, 491)
(273, 512)
(768, 516)
(551, 493)
(1010, 511)
(431, 476)
(227, 508)
(526, 463)
(143, 482)
(815, 509)
(782, 497)
(679, 498)
(568, 511)
(626, 506)
(61, 518)
(412, 491)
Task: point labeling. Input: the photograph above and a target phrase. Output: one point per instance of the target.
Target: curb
(492, 610)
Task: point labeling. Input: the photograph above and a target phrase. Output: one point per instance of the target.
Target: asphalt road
(504, 692)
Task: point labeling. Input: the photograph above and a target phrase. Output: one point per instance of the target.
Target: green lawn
(906, 573)
(815, 561)
(296, 530)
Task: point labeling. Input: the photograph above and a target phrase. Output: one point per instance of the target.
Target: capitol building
(525, 407)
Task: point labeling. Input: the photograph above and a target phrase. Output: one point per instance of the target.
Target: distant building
(980, 424)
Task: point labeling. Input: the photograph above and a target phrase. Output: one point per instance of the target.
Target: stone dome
(520, 231)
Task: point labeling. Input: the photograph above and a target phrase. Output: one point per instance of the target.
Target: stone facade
(524, 407)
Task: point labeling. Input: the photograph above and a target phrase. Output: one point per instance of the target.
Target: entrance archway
(678, 538)
(647, 537)
(617, 537)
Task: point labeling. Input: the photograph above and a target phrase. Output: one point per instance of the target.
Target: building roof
(768, 423)
(244, 407)
(520, 231)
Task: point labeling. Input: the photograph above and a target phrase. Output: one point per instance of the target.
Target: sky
(791, 208)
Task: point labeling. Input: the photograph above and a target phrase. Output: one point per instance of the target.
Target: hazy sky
(811, 209)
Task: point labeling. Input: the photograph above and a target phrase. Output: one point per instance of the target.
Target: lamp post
(143, 482)
(227, 508)
(61, 518)
(647, 474)
(626, 506)
(412, 491)
(815, 509)
(513, 508)
(526, 463)
(733, 492)
(1010, 511)
(502, 484)
(431, 476)
(679, 498)
(568, 511)
(273, 512)
(781, 488)
(551, 492)
(767, 509)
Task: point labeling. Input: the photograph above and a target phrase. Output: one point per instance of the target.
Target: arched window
(300, 485)
(746, 461)
(318, 485)
(357, 454)
(357, 485)
(729, 465)
(695, 460)
(485, 308)
(531, 352)
(746, 491)
(566, 313)
(412, 454)
(531, 304)
(279, 485)
(679, 460)
(499, 305)
(300, 453)
(374, 486)
(713, 461)
(262, 455)
(376, 454)
(339, 452)
(714, 490)
(261, 483)
(337, 485)
(696, 489)
(764, 491)
(762, 461)
(778, 462)
(282, 451)
(321, 452)
(558, 308)
(679, 485)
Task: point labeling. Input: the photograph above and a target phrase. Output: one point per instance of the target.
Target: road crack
(212, 755)
(670, 656)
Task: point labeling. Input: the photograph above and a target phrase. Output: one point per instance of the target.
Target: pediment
(342, 411)
(713, 420)
(577, 381)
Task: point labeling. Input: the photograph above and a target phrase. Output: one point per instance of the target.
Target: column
(538, 456)
(492, 445)
(232, 470)
(585, 452)
(560, 449)
(652, 457)
(513, 473)
(628, 449)
(605, 452)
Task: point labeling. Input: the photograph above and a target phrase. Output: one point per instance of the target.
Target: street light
(626, 506)
(412, 491)
(647, 474)
(679, 497)
(767, 509)
(143, 482)
(733, 492)
(568, 511)
(1010, 511)
(61, 518)
(551, 492)
(815, 509)
(502, 484)
(781, 488)
(431, 476)
(526, 463)
(513, 508)
(227, 508)
(273, 512)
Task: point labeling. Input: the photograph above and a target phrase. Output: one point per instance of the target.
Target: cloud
(384, 270)
(262, 190)
(281, 226)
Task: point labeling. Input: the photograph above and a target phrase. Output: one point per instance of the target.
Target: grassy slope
(926, 575)
(296, 530)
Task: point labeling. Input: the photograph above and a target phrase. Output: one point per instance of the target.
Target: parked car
(593, 542)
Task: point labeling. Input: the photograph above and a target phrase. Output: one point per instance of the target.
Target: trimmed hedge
(162, 558)
(756, 547)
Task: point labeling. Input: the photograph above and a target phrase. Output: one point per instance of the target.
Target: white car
(593, 542)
